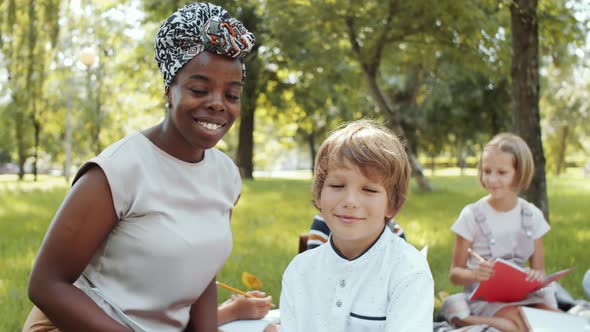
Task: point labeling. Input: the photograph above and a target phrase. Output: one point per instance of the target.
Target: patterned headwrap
(196, 28)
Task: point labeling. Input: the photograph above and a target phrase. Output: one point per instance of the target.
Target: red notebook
(508, 283)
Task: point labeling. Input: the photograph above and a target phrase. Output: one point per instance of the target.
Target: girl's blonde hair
(523, 163)
(371, 147)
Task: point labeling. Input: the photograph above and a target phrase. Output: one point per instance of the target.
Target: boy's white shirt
(320, 290)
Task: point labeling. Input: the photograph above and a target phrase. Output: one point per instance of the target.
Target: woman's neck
(504, 203)
(166, 137)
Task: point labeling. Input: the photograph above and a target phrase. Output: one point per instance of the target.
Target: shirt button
(342, 283)
(338, 303)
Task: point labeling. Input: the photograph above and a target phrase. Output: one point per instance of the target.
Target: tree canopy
(439, 73)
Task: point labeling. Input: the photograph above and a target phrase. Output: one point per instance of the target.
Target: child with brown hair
(365, 278)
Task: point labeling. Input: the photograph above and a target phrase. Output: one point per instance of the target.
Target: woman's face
(205, 99)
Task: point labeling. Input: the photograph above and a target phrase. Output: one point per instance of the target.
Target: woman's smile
(210, 125)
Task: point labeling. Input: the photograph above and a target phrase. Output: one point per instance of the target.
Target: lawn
(269, 218)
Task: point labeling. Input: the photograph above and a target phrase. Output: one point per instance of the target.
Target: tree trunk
(68, 132)
(98, 119)
(432, 163)
(461, 158)
(246, 143)
(410, 131)
(525, 93)
(394, 124)
(495, 124)
(37, 133)
(252, 86)
(370, 69)
(312, 151)
(98, 114)
(246, 131)
(20, 141)
(562, 148)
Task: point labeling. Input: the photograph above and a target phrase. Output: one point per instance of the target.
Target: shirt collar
(363, 253)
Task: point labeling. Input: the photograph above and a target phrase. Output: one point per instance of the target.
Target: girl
(499, 225)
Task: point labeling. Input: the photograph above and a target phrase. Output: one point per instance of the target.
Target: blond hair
(374, 149)
(523, 163)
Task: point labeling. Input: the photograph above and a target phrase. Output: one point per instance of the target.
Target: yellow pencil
(476, 255)
(237, 291)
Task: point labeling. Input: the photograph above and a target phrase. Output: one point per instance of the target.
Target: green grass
(269, 218)
(25, 212)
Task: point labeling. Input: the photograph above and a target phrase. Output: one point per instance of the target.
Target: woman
(141, 235)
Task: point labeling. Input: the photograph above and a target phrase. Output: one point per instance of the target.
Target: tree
(393, 43)
(29, 33)
(252, 87)
(369, 58)
(550, 27)
(525, 93)
(565, 115)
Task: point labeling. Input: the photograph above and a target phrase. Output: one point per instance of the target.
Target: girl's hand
(532, 274)
(272, 328)
(249, 307)
(483, 271)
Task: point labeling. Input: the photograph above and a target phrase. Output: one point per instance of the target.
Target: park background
(446, 75)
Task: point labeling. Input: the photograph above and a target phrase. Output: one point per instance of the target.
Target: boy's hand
(483, 271)
(250, 307)
(537, 275)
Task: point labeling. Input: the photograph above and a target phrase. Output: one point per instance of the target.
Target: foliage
(104, 99)
(265, 240)
(29, 33)
(458, 54)
(443, 68)
(566, 115)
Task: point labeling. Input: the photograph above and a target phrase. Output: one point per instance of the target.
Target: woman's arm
(459, 273)
(82, 223)
(203, 315)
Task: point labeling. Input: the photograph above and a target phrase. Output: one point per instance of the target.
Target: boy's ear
(390, 213)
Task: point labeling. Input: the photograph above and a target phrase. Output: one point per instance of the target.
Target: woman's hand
(533, 274)
(483, 271)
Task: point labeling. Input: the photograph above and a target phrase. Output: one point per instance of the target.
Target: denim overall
(502, 247)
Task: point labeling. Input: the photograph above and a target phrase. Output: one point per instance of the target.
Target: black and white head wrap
(196, 28)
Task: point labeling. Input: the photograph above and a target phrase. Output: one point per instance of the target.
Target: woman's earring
(167, 105)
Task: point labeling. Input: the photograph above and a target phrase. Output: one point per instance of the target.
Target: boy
(365, 279)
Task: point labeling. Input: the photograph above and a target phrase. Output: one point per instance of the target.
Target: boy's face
(355, 208)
